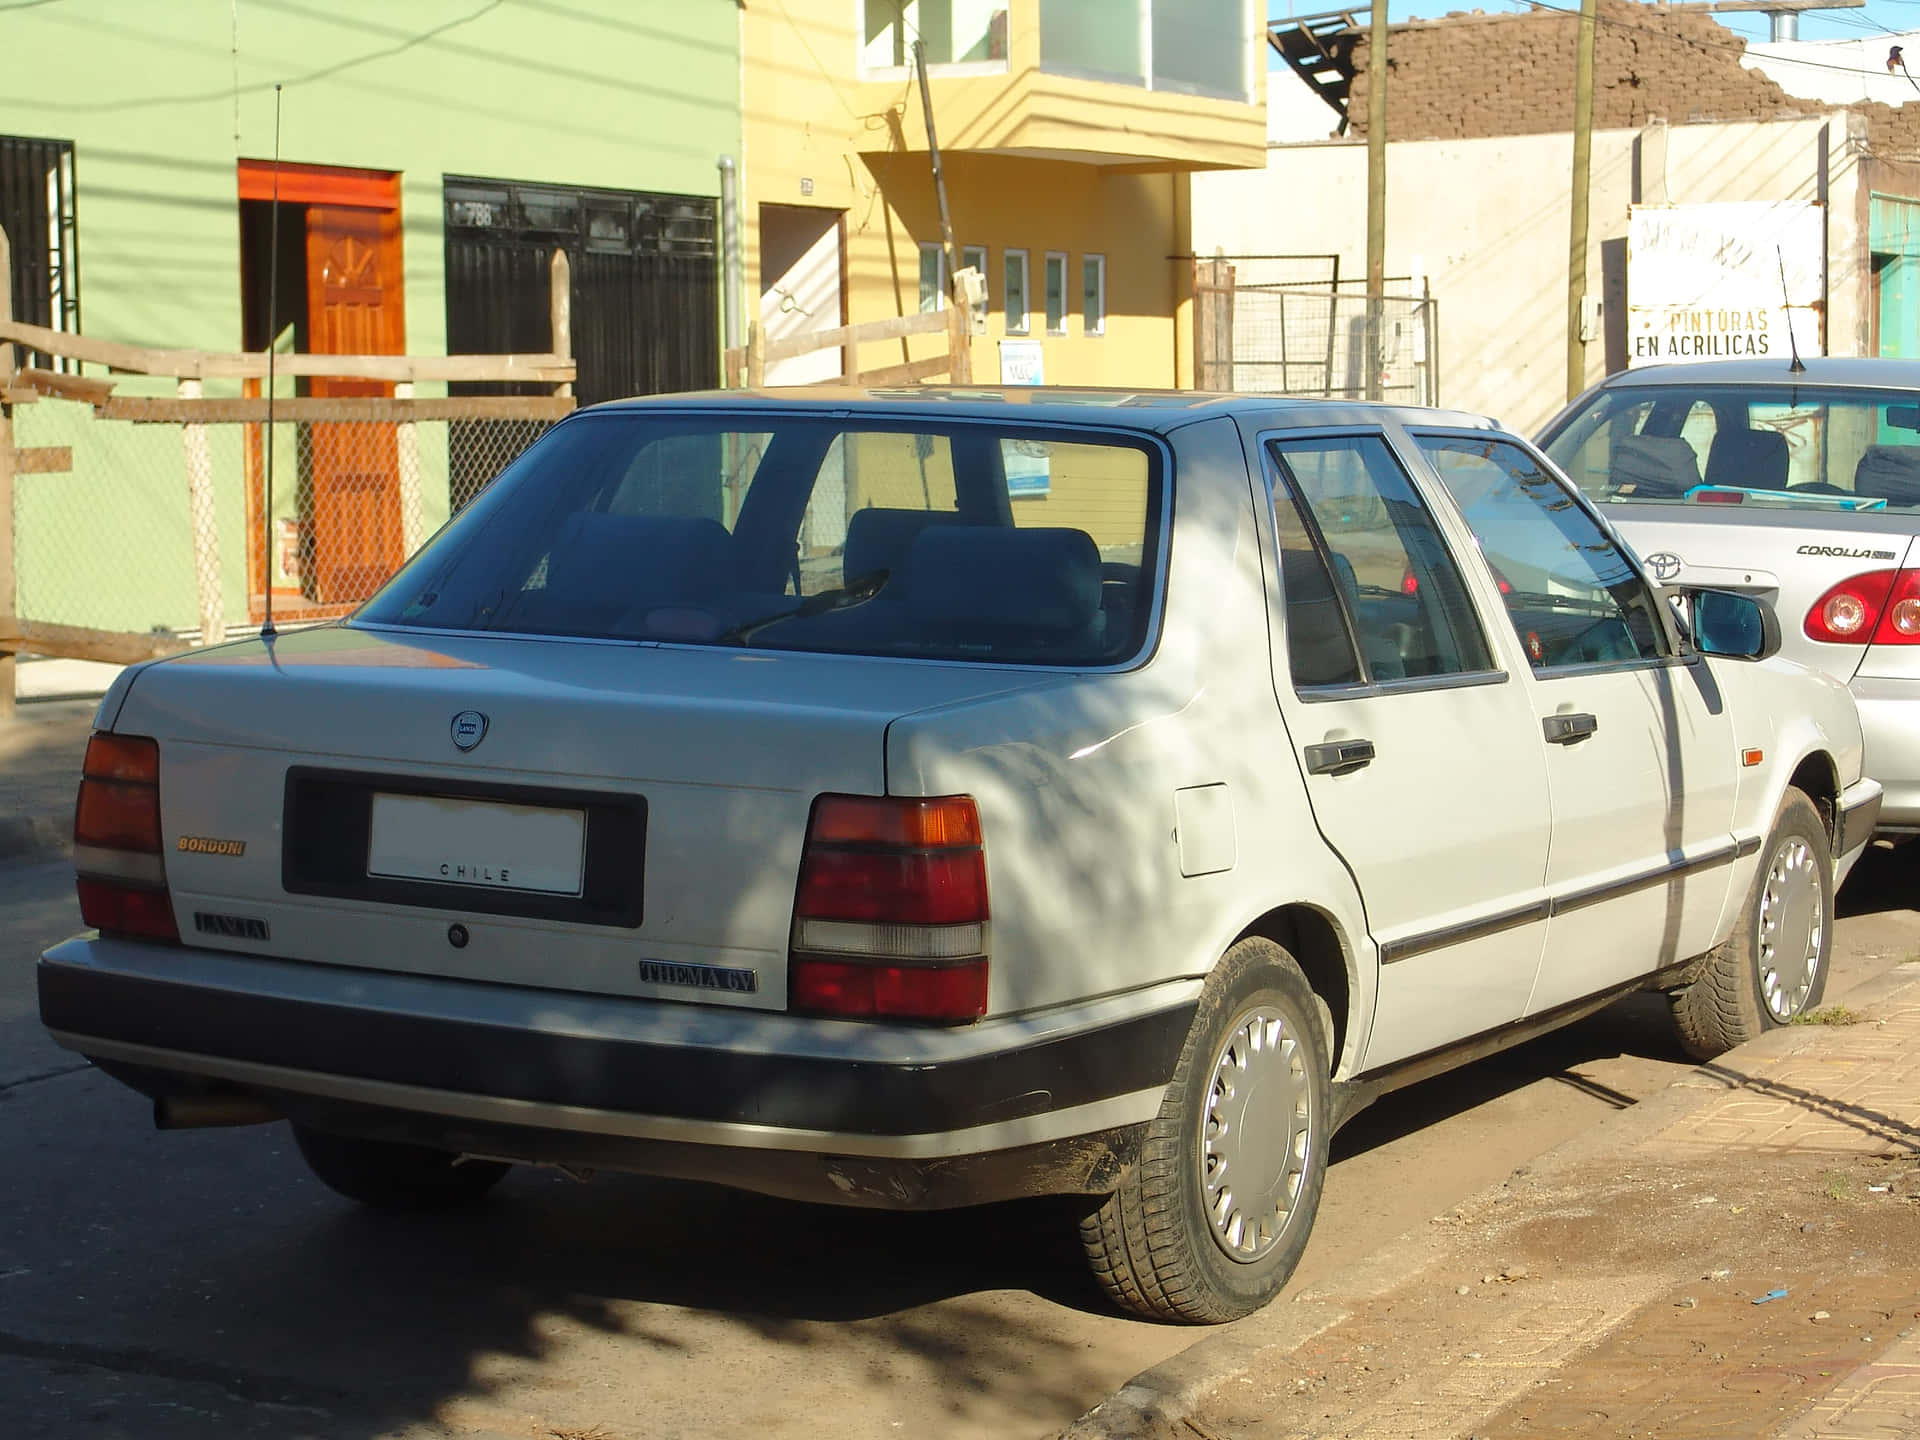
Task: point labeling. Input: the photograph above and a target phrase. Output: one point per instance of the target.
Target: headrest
(880, 539)
(619, 561)
(1890, 473)
(1318, 646)
(1658, 467)
(1751, 459)
(1041, 579)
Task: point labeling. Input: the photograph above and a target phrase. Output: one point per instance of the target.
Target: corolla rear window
(956, 542)
(1796, 447)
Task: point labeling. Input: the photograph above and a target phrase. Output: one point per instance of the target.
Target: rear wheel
(1773, 968)
(387, 1175)
(1212, 1221)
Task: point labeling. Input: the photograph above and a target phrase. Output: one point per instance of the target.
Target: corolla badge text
(469, 729)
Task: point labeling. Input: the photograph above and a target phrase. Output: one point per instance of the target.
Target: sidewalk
(40, 752)
(1619, 1286)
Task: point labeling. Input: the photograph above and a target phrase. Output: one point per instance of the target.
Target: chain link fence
(162, 525)
(1290, 340)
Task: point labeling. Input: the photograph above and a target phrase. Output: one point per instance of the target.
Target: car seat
(881, 539)
(1019, 589)
(1748, 459)
(1890, 473)
(1653, 467)
(602, 567)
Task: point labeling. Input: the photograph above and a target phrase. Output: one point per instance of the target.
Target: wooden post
(1376, 196)
(406, 439)
(1213, 325)
(756, 356)
(206, 527)
(1577, 210)
(959, 345)
(7, 613)
(559, 315)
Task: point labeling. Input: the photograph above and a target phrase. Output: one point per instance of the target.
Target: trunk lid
(1789, 558)
(688, 775)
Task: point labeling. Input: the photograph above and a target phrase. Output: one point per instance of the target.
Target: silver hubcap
(1254, 1134)
(1793, 926)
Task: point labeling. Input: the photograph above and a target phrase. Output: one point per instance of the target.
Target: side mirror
(1728, 623)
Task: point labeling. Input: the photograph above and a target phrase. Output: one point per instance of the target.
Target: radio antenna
(1786, 301)
(273, 339)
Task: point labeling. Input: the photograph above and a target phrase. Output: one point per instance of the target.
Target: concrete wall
(1486, 220)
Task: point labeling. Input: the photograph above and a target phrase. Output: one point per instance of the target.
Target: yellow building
(1068, 132)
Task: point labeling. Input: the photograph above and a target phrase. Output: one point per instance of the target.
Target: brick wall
(1483, 75)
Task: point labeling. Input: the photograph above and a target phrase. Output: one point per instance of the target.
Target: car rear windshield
(858, 535)
(1794, 447)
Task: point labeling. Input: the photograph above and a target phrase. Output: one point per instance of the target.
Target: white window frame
(940, 268)
(1022, 323)
(1066, 302)
(905, 70)
(979, 257)
(1091, 263)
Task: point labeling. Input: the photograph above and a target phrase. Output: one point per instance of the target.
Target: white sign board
(1021, 363)
(1723, 281)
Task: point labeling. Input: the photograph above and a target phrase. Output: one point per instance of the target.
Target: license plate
(473, 842)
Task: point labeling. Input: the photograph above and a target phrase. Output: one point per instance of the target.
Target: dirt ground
(1616, 1303)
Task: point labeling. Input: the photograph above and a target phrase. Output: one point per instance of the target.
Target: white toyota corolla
(926, 799)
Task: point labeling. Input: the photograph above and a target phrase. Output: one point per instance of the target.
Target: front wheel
(389, 1175)
(1212, 1221)
(1773, 968)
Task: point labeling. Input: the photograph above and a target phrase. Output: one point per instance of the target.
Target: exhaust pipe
(201, 1112)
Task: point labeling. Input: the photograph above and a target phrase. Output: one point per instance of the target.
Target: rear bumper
(1890, 728)
(825, 1110)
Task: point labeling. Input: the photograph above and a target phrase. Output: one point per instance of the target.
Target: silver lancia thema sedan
(924, 799)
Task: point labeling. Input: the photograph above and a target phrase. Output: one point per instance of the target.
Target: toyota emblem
(1663, 563)
(469, 729)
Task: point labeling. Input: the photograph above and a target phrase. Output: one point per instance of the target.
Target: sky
(1877, 17)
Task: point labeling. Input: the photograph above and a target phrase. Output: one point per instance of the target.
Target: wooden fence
(193, 411)
(748, 364)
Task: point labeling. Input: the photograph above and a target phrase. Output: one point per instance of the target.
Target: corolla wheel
(1255, 1128)
(1791, 934)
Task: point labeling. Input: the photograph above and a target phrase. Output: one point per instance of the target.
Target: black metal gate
(37, 212)
(645, 292)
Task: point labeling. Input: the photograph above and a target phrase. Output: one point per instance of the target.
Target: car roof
(1157, 411)
(1878, 372)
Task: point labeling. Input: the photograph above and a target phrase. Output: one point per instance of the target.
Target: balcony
(1146, 84)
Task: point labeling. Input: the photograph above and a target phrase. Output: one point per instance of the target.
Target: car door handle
(1568, 729)
(1339, 757)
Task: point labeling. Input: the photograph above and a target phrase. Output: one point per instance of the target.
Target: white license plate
(472, 842)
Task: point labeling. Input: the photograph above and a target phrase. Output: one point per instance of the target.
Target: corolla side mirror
(1728, 623)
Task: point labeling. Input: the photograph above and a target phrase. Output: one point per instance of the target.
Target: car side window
(1573, 597)
(1372, 594)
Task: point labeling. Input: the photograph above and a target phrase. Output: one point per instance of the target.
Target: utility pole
(1376, 194)
(1582, 176)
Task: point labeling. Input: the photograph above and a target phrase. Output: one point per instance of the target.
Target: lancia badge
(469, 729)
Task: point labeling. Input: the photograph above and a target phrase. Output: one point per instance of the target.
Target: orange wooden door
(355, 306)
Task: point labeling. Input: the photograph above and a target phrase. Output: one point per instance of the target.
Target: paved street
(169, 1284)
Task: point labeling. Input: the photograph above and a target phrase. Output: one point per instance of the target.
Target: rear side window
(1573, 597)
(1354, 531)
(988, 543)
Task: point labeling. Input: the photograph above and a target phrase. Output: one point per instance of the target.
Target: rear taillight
(116, 840)
(891, 917)
(1881, 607)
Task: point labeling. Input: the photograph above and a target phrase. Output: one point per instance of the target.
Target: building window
(1013, 272)
(933, 279)
(975, 257)
(1189, 47)
(37, 212)
(971, 33)
(1093, 295)
(1056, 293)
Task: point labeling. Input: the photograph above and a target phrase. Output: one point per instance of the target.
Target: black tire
(1152, 1244)
(387, 1175)
(1729, 1003)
